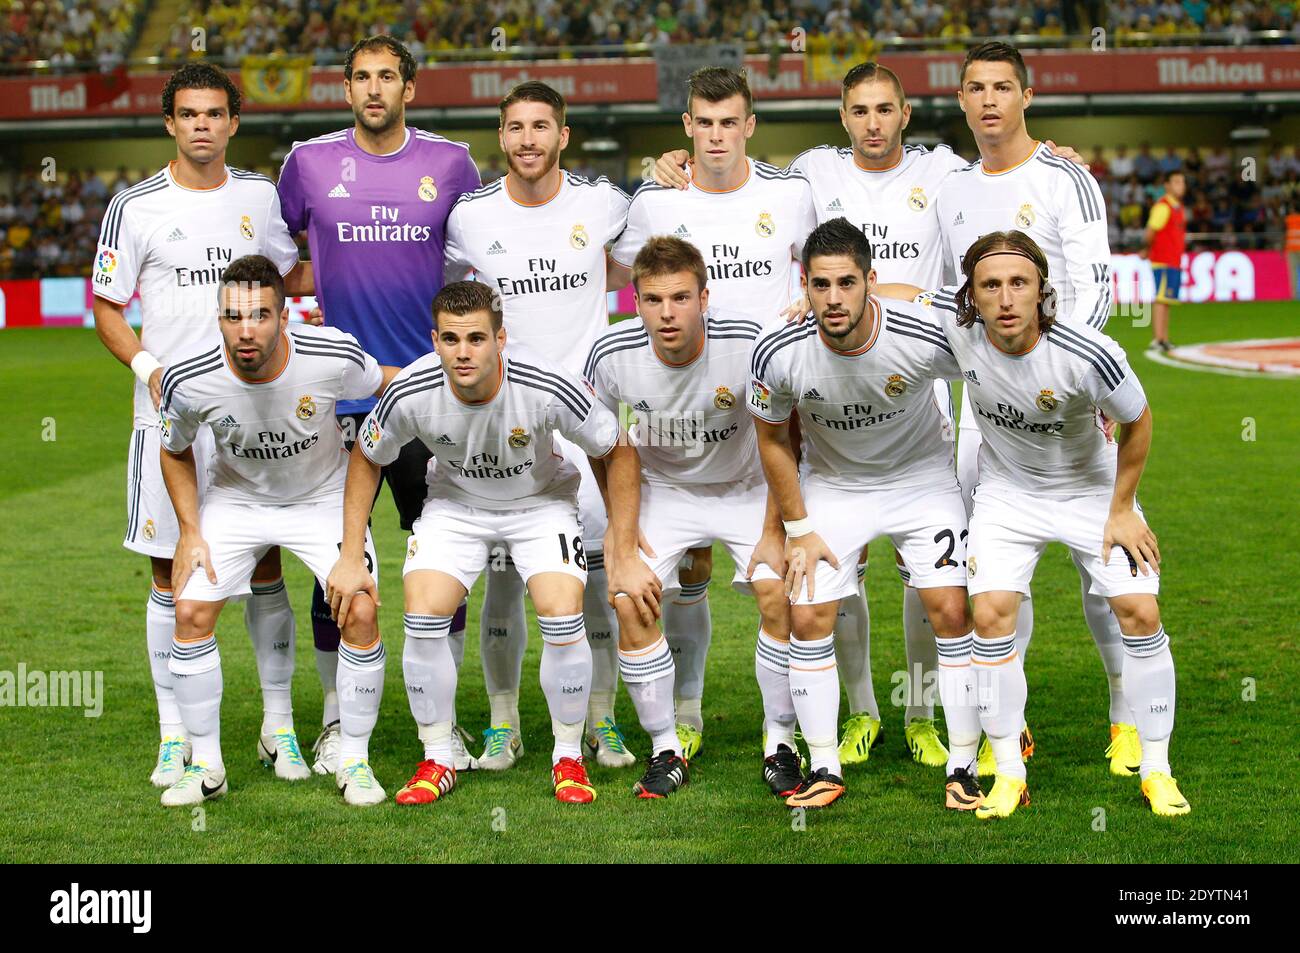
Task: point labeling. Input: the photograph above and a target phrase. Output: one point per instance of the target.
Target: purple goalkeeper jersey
(376, 227)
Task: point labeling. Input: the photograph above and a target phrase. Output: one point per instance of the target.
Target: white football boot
(357, 781)
(198, 784)
(173, 756)
(326, 750)
(281, 750)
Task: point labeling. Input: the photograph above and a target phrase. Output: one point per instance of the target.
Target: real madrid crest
(428, 191)
(518, 438)
(765, 226)
(970, 566)
(724, 399)
(1025, 217)
(412, 548)
(246, 227)
(149, 531)
(579, 238)
(306, 407)
(1046, 401)
(895, 386)
(916, 199)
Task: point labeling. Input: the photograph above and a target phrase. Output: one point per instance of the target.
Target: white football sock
(1149, 684)
(196, 679)
(436, 739)
(503, 637)
(269, 619)
(602, 634)
(456, 645)
(1104, 628)
(565, 675)
(922, 658)
(772, 669)
(1001, 693)
(159, 629)
(648, 674)
(1024, 626)
(363, 691)
(853, 650)
(327, 666)
(688, 628)
(429, 669)
(957, 695)
(815, 690)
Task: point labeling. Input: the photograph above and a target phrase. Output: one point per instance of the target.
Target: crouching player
(874, 463)
(1048, 474)
(681, 370)
(268, 394)
(499, 488)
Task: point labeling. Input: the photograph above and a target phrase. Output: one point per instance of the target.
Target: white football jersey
(894, 207)
(172, 243)
(688, 422)
(1037, 411)
(277, 441)
(547, 261)
(1056, 203)
(751, 237)
(498, 454)
(868, 418)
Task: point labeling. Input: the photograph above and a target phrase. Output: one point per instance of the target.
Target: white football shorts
(1010, 528)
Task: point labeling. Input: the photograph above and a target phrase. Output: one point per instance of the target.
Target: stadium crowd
(80, 31)
(49, 229)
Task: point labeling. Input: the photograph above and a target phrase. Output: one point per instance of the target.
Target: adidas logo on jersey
(445, 441)
(835, 206)
(970, 376)
(959, 220)
(227, 421)
(176, 236)
(338, 192)
(496, 249)
(681, 232)
(642, 406)
(811, 394)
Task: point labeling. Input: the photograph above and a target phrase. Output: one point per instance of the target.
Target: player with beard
(874, 462)
(374, 200)
(537, 237)
(169, 237)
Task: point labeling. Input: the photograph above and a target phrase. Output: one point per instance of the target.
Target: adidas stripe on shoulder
(111, 233)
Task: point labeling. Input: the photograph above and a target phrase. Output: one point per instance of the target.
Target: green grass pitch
(75, 789)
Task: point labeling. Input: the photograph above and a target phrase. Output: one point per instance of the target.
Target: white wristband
(144, 364)
(795, 528)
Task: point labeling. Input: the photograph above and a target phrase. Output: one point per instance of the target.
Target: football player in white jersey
(498, 488)
(169, 237)
(276, 479)
(888, 190)
(537, 236)
(1048, 473)
(749, 220)
(874, 462)
(680, 370)
(1017, 183)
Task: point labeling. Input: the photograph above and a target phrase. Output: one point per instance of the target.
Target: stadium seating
(60, 33)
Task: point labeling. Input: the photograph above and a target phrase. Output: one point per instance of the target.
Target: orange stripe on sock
(1003, 662)
(581, 638)
(199, 639)
(802, 669)
(363, 648)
